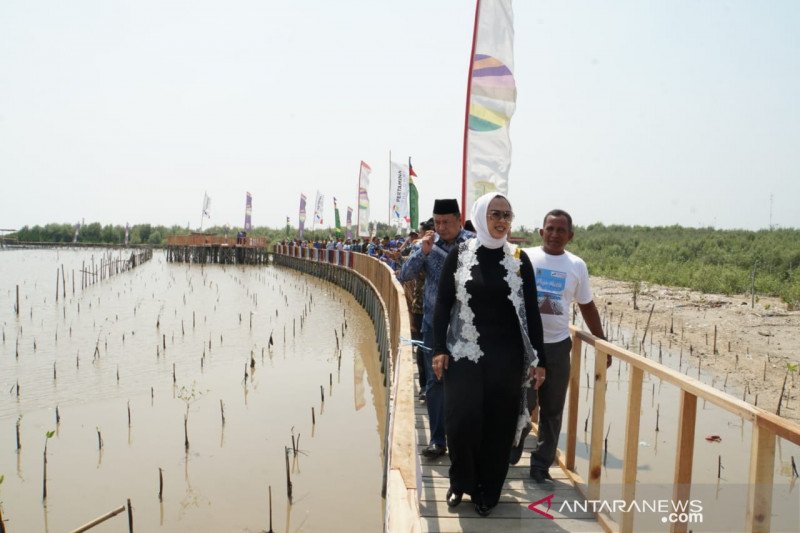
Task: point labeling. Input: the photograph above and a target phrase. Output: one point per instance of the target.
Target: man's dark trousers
(434, 391)
(552, 395)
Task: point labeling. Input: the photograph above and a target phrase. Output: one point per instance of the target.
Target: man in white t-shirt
(561, 278)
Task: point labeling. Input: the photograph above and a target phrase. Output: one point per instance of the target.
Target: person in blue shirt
(428, 256)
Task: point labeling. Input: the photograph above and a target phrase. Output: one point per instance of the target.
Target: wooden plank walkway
(512, 513)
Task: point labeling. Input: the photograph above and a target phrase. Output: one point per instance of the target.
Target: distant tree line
(704, 259)
(95, 233)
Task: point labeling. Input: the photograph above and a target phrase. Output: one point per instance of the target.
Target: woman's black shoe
(483, 509)
(453, 497)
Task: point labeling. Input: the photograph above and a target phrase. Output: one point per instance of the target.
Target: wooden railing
(766, 427)
(216, 240)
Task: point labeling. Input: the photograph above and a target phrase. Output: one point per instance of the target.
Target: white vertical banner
(491, 101)
(319, 206)
(398, 191)
(363, 200)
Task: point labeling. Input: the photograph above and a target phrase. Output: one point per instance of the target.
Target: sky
(628, 112)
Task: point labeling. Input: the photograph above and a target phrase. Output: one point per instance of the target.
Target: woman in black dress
(488, 342)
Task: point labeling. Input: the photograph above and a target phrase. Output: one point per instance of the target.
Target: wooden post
(572, 412)
(684, 453)
(762, 467)
(17, 300)
(715, 340)
(631, 456)
(598, 412)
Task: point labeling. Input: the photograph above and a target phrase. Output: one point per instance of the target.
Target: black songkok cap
(447, 206)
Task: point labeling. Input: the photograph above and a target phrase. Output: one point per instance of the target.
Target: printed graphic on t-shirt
(550, 285)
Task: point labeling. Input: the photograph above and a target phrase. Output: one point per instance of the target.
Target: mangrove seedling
(47, 437)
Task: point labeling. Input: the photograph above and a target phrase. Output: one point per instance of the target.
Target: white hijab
(479, 209)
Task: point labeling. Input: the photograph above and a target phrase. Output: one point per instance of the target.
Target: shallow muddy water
(165, 338)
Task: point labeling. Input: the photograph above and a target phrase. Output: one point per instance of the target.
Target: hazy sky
(634, 112)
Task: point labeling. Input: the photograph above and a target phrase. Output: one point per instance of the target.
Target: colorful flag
(491, 101)
(349, 223)
(363, 200)
(338, 223)
(248, 209)
(413, 198)
(318, 208)
(302, 217)
(398, 189)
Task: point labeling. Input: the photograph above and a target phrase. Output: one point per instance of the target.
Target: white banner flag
(318, 208)
(398, 191)
(492, 101)
(363, 200)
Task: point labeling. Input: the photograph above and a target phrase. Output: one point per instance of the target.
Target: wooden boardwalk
(512, 513)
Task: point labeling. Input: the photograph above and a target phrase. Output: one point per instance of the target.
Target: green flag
(336, 219)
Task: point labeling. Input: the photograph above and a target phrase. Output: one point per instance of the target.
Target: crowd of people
(388, 250)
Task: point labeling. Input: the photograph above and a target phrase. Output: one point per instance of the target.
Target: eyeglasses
(497, 215)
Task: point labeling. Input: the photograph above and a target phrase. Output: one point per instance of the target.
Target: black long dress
(481, 400)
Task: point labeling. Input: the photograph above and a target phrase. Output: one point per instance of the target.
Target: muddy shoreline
(757, 347)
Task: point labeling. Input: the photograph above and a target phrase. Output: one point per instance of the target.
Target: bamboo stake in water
(99, 520)
(270, 510)
(288, 476)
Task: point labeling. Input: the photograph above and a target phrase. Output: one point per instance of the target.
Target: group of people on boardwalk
(493, 340)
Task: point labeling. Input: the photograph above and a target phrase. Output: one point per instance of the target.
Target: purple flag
(248, 208)
(302, 217)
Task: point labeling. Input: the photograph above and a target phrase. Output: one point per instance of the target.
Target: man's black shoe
(434, 451)
(516, 451)
(541, 476)
(453, 497)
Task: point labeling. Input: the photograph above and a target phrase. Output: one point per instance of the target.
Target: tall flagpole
(464, 207)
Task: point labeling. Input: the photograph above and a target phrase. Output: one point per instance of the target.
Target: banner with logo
(398, 191)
